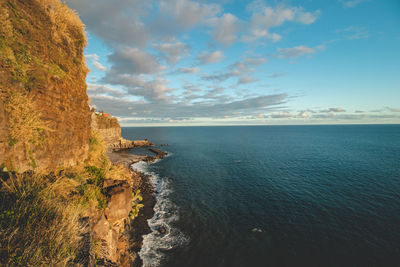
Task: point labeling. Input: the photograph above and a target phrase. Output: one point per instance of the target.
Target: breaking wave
(163, 237)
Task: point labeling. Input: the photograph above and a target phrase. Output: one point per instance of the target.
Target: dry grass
(36, 228)
(24, 123)
(119, 172)
(39, 214)
(104, 122)
(65, 21)
(97, 149)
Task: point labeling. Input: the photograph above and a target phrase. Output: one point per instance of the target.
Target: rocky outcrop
(110, 228)
(42, 67)
(45, 126)
(107, 126)
(110, 131)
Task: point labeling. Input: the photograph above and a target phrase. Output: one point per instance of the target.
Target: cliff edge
(44, 111)
(62, 201)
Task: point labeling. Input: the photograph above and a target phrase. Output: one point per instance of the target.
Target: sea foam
(163, 237)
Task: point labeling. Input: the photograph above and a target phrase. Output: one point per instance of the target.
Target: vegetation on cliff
(106, 122)
(43, 101)
(39, 214)
(53, 168)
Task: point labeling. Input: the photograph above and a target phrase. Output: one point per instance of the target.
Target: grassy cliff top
(105, 122)
(37, 38)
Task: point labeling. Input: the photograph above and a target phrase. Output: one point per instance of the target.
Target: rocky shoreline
(139, 226)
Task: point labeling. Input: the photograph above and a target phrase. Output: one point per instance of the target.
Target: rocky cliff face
(45, 126)
(44, 112)
(110, 227)
(108, 127)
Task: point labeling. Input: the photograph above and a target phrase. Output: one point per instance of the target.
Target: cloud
(172, 51)
(352, 3)
(145, 40)
(210, 57)
(152, 90)
(99, 89)
(126, 108)
(281, 115)
(240, 69)
(392, 109)
(187, 13)
(354, 33)
(264, 18)
(116, 22)
(303, 114)
(94, 58)
(188, 70)
(225, 28)
(333, 110)
(246, 80)
(356, 117)
(255, 61)
(278, 74)
(129, 60)
(295, 52)
(218, 77)
(137, 22)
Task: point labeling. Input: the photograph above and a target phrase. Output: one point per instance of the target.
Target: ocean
(274, 196)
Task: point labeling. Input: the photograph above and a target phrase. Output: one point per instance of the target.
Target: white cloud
(235, 108)
(294, 52)
(172, 52)
(255, 61)
(129, 60)
(392, 109)
(278, 74)
(188, 70)
(333, 110)
(210, 57)
(187, 13)
(225, 28)
(99, 89)
(265, 17)
(116, 22)
(281, 115)
(354, 32)
(240, 69)
(246, 80)
(94, 58)
(352, 3)
(152, 90)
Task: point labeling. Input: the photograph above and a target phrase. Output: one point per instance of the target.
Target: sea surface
(274, 196)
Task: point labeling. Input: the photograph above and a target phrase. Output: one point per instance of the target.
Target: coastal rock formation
(107, 126)
(110, 229)
(49, 151)
(44, 111)
(110, 130)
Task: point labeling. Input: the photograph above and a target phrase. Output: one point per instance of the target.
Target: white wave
(163, 236)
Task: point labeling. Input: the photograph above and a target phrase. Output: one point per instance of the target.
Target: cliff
(110, 131)
(44, 112)
(62, 201)
(107, 126)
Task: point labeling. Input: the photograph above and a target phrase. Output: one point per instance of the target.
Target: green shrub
(136, 205)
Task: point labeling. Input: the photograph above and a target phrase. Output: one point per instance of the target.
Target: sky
(200, 62)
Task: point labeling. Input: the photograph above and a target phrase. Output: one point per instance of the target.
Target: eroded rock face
(108, 127)
(120, 204)
(110, 228)
(44, 62)
(108, 236)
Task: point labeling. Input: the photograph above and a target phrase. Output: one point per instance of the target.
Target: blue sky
(187, 62)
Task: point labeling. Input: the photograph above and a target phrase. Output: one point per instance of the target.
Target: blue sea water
(275, 196)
